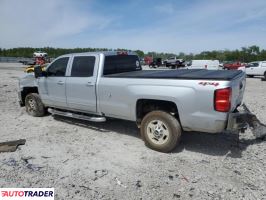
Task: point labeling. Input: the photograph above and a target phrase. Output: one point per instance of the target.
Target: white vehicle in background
(39, 54)
(257, 68)
(204, 64)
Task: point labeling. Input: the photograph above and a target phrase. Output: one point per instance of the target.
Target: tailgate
(238, 85)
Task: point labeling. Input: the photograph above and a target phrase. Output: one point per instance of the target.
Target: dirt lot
(84, 160)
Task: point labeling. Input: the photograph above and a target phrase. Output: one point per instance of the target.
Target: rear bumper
(240, 121)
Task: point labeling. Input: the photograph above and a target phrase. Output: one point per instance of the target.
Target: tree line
(245, 54)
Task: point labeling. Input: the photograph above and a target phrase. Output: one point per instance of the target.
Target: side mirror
(38, 71)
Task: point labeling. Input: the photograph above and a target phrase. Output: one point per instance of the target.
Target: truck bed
(198, 74)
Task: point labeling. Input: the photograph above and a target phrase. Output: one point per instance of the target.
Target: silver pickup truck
(163, 103)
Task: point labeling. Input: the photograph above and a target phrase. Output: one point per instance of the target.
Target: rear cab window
(115, 64)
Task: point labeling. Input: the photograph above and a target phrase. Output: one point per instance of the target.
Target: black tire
(265, 75)
(34, 105)
(170, 123)
(250, 76)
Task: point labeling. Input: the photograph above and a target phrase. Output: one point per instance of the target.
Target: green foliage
(140, 53)
(245, 54)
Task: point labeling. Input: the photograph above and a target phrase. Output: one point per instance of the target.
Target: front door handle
(60, 83)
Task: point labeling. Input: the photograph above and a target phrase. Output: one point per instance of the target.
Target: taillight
(222, 99)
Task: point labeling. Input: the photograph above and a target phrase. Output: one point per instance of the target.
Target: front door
(81, 84)
(52, 87)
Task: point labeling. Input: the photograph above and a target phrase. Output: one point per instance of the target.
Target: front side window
(83, 66)
(58, 68)
(255, 64)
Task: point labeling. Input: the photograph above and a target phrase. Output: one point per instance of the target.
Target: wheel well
(26, 91)
(145, 106)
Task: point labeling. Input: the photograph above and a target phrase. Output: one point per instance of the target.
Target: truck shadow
(111, 125)
(211, 144)
(220, 144)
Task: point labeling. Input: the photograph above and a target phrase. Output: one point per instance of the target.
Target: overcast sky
(149, 25)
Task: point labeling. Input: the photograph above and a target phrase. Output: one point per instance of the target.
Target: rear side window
(58, 68)
(263, 64)
(121, 63)
(83, 66)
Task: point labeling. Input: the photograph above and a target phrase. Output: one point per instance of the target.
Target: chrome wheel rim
(157, 132)
(31, 105)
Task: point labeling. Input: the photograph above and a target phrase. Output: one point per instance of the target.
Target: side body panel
(118, 97)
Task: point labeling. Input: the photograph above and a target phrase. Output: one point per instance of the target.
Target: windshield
(121, 63)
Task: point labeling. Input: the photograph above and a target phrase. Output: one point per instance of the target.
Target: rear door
(81, 83)
(52, 87)
(263, 68)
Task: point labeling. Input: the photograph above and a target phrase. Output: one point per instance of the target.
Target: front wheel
(160, 131)
(264, 75)
(34, 105)
(250, 76)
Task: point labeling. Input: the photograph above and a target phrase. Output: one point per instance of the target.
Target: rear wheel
(34, 105)
(160, 131)
(265, 75)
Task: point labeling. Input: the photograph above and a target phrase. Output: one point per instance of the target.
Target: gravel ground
(84, 160)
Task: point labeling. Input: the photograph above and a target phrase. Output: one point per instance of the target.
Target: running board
(76, 116)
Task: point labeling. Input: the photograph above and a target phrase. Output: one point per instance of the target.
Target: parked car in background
(148, 60)
(174, 62)
(39, 54)
(204, 64)
(157, 62)
(233, 65)
(257, 68)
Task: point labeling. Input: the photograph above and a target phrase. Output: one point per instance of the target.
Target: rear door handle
(90, 84)
(60, 83)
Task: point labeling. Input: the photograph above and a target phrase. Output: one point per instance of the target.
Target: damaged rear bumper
(240, 121)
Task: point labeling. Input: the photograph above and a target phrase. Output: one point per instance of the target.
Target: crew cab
(163, 103)
(257, 68)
